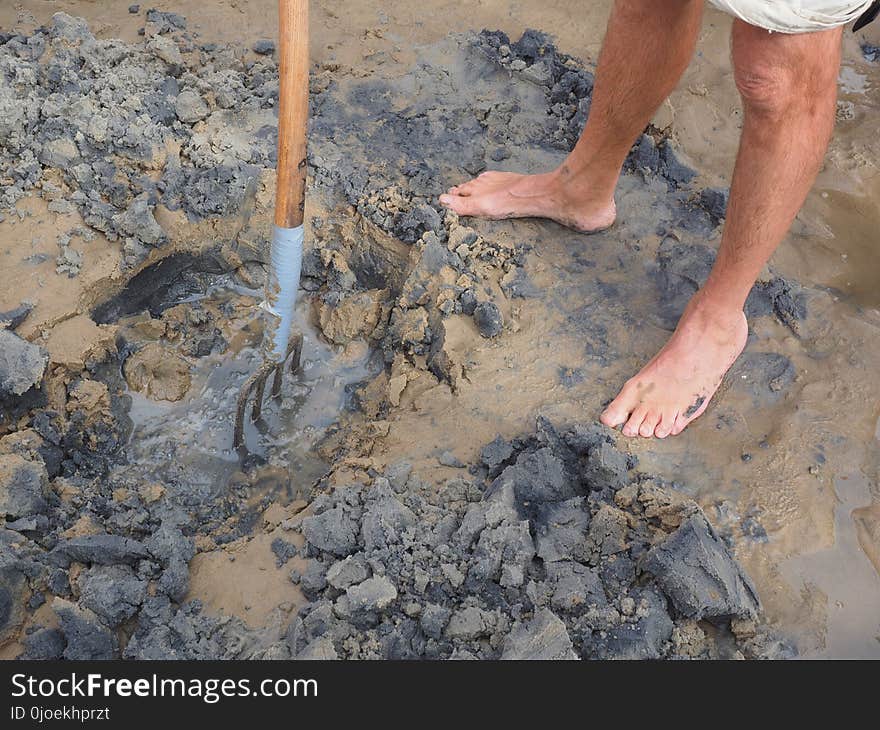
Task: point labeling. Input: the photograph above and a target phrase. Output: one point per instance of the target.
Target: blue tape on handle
(283, 285)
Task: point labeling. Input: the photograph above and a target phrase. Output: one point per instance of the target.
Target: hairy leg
(788, 84)
(647, 47)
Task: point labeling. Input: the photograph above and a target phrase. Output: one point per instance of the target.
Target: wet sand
(803, 463)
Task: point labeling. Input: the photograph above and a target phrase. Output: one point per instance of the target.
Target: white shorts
(794, 16)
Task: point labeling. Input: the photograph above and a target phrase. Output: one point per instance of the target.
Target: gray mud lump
(469, 623)
(13, 588)
(44, 645)
(22, 364)
(543, 638)
(374, 594)
(348, 572)
(87, 638)
(59, 153)
(100, 550)
(158, 372)
(114, 593)
(488, 319)
(699, 575)
(494, 454)
(138, 220)
(333, 531)
(385, 520)
(190, 107)
(264, 47)
(24, 486)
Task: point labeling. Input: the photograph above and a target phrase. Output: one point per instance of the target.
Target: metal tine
(294, 353)
(260, 390)
(276, 383)
(296, 348)
(241, 407)
(255, 386)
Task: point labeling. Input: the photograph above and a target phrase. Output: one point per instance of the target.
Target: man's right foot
(501, 195)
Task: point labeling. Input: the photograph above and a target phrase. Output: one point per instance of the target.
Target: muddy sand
(434, 483)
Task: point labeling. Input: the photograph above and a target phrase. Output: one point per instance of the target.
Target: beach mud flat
(434, 485)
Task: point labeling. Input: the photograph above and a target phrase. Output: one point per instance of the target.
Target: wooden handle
(293, 112)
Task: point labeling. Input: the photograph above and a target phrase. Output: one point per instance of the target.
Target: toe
(701, 410)
(617, 412)
(684, 419)
(646, 430)
(681, 422)
(464, 206)
(613, 416)
(466, 188)
(667, 422)
(459, 204)
(635, 421)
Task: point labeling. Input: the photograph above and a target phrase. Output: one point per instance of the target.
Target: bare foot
(500, 195)
(676, 386)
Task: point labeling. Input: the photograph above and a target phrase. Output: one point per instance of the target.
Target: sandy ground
(806, 463)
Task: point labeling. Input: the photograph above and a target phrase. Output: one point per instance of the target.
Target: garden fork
(280, 346)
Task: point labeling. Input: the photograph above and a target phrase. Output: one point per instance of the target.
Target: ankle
(714, 307)
(582, 185)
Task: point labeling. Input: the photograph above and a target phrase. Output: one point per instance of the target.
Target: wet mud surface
(433, 484)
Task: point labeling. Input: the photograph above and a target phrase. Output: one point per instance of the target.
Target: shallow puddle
(844, 575)
(192, 439)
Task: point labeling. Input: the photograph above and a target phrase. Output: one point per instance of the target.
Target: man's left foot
(676, 386)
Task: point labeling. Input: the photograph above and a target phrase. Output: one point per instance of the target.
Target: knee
(768, 88)
(778, 86)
